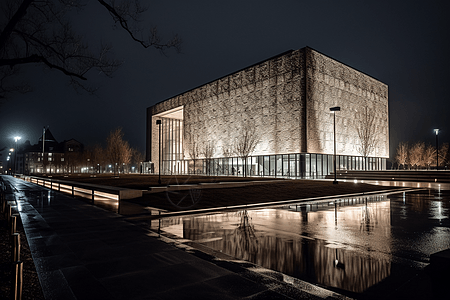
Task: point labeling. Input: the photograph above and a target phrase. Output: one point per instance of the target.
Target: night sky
(405, 44)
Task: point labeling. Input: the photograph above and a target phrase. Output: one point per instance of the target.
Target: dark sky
(404, 44)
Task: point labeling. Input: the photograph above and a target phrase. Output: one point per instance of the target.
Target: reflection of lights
(356, 181)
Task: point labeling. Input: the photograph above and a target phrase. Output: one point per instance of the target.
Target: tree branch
(37, 59)
(20, 13)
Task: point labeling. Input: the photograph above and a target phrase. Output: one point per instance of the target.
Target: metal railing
(17, 264)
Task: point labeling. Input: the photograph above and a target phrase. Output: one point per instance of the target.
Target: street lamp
(334, 110)
(158, 122)
(437, 149)
(16, 138)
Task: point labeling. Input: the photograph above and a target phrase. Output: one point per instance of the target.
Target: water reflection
(351, 244)
(310, 242)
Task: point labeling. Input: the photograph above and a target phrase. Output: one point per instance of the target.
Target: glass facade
(172, 145)
(299, 165)
(293, 165)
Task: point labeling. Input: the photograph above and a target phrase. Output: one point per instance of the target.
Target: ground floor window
(299, 165)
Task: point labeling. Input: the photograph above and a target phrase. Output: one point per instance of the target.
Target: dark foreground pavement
(84, 252)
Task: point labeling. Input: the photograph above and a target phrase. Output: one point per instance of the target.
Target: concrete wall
(331, 83)
(267, 96)
(275, 97)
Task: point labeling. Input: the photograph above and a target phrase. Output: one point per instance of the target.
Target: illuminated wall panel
(287, 99)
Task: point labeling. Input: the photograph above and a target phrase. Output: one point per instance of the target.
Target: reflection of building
(288, 242)
(287, 100)
(50, 156)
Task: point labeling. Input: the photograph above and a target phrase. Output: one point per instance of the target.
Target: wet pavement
(365, 247)
(82, 251)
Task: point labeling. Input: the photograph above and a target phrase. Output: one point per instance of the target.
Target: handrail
(122, 193)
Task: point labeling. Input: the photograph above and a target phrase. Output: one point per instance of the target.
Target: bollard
(16, 291)
(8, 213)
(15, 253)
(13, 224)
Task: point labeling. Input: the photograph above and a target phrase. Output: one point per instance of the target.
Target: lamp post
(158, 122)
(437, 149)
(16, 138)
(10, 161)
(334, 110)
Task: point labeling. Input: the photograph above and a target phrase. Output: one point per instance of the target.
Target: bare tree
(246, 142)
(208, 153)
(227, 153)
(444, 155)
(193, 148)
(72, 160)
(416, 155)
(136, 157)
(367, 133)
(429, 156)
(94, 158)
(41, 32)
(98, 158)
(402, 154)
(118, 151)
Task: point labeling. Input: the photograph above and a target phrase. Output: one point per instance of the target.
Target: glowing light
(16, 138)
(355, 181)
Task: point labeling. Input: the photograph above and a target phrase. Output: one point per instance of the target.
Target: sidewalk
(84, 252)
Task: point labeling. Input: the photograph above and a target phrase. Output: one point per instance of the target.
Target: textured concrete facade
(287, 99)
(331, 83)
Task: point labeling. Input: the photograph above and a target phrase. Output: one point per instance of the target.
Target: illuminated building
(53, 158)
(287, 100)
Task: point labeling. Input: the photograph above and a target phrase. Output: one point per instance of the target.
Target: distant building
(285, 103)
(48, 156)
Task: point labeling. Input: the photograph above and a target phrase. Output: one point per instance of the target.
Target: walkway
(84, 252)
